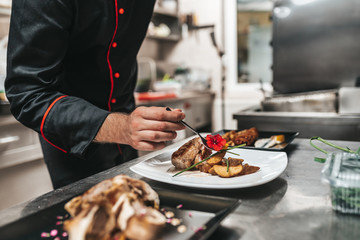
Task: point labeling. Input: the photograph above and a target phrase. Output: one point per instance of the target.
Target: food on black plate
(247, 136)
(117, 208)
(272, 142)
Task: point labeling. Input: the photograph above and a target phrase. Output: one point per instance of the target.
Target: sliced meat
(111, 206)
(144, 224)
(110, 190)
(95, 222)
(247, 136)
(185, 156)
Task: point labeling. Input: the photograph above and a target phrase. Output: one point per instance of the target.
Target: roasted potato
(222, 171)
(216, 159)
(212, 171)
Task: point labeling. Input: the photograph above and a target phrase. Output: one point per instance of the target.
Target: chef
(71, 73)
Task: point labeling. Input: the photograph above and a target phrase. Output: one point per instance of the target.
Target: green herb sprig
(322, 160)
(194, 165)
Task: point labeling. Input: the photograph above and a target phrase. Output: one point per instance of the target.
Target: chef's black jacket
(71, 63)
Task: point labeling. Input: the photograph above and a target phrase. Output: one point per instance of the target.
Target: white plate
(159, 168)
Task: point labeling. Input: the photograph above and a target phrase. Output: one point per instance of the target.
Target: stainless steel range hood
(316, 68)
(315, 45)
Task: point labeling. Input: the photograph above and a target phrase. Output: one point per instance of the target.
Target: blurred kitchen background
(287, 65)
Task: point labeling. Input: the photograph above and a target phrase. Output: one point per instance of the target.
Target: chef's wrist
(110, 131)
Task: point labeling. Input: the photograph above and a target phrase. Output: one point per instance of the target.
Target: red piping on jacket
(43, 122)
(108, 59)
(109, 64)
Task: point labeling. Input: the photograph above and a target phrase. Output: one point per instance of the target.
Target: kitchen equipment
(193, 79)
(146, 74)
(316, 56)
(315, 45)
(308, 124)
(314, 101)
(342, 173)
(194, 131)
(349, 99)
(168, 86)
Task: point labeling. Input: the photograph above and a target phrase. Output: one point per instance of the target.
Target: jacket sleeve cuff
(72, 124)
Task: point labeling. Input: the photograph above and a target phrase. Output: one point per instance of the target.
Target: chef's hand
(146, 128)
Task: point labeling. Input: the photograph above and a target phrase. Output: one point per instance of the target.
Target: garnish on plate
(216, 142)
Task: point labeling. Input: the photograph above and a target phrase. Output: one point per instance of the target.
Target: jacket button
(114, 44)
(117, 75)
(121, 11)
(113, 100)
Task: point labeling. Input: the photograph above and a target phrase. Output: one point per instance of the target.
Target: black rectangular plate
(289, 137)
(201, 214)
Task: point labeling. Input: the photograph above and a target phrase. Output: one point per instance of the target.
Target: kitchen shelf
(171, 38)
(199, 27)
(164, 11)
(169, 17)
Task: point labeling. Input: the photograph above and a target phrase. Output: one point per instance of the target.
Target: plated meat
(191, 152)
(121, 207)
(194, 151)
(247, 136)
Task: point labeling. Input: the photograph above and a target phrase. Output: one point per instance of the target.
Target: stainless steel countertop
(296, 205)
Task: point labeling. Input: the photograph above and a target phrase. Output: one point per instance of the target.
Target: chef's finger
(160, 114)
(163, 126)
(148, 146)
(156, 136)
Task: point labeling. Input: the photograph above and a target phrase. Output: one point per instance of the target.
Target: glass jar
(342, 172)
